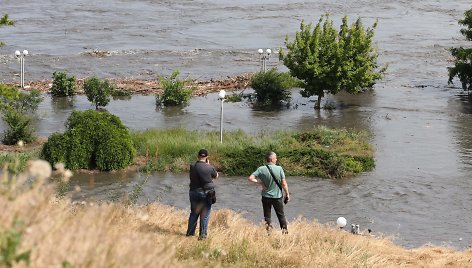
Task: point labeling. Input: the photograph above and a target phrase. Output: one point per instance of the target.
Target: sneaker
(284, 231)
(202, 237)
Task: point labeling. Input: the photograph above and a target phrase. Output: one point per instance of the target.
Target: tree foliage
(98, 92)
(463, 56)
(272, 87)
(328, 61)
(175, 90)
(5, 21)
(16, 107)
(63, 85)
(92, 140)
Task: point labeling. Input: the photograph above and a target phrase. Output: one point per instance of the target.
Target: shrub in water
(98, 92)
(175, 92)
(272, 87)
(63, 85)
(92, 140)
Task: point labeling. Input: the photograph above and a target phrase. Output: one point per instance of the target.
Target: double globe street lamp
(21, 56)
(264, 56)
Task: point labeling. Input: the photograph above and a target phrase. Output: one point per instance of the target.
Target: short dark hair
(269, 156)
(203, 153)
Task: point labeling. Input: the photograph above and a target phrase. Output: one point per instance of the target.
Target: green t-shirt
(273, 190)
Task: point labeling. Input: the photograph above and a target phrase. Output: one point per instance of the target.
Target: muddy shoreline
(150, 87)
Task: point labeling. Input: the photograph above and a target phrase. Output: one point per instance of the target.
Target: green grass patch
(16, 161)
(321, 152)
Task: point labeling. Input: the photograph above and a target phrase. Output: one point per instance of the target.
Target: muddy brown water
(420, 189)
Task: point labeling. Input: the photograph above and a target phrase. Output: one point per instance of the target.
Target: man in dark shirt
(201, 189)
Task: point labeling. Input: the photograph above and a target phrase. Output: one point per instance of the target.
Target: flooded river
(420, 189)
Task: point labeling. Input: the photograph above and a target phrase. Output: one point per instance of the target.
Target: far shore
(151, 87)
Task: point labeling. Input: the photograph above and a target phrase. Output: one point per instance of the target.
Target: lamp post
(221, 96)
(264, 56)
(21, 56)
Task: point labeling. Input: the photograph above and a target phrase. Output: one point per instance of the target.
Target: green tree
(63, 85)
(98, 92)
(175, 90)
(463, 56)
(5, 21)
(328, 61)
(16, 108)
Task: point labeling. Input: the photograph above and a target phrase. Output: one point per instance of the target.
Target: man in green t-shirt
(272, 190)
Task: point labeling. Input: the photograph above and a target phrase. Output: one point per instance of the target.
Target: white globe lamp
(341, 222)
(222, 94)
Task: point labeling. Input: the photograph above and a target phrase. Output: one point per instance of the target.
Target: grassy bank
(58, 233)
(320, 152)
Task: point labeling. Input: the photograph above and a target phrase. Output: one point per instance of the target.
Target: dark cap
(203, 153)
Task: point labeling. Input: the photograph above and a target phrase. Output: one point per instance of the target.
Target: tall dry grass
(116, 235)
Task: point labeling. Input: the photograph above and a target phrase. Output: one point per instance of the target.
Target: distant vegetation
(5, 21)
(321, 152)
(327, 60)
(175, 91)
(63, 85)
(98, 91)
(463, 56)
(272, 88)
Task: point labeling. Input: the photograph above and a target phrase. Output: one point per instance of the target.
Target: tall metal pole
(263, 63)
(221, 121)
(22, 72)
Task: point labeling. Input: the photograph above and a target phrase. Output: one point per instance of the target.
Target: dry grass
(116, 235)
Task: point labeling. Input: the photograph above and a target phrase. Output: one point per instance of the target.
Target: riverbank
(57, 231)
(149, 87)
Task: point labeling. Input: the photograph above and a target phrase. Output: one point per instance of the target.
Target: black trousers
(278, 204)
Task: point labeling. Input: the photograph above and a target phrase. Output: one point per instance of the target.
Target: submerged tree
(328, 61)
(5, 21)
(98, 92)
(463, 56)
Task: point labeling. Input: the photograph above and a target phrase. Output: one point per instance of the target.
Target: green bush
(115, 153)
(55, 149)
(272, 87)
(98, 92)
(63, 85)
(92, 140)
(175, 91)
(18, 127)
(16, 107)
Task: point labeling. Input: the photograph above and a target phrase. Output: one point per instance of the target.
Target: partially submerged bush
(98, 92)
(92, 140)
(175, 91)
(63, 85)
(272, 87)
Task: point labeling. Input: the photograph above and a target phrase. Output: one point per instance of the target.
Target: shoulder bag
(278, 184)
